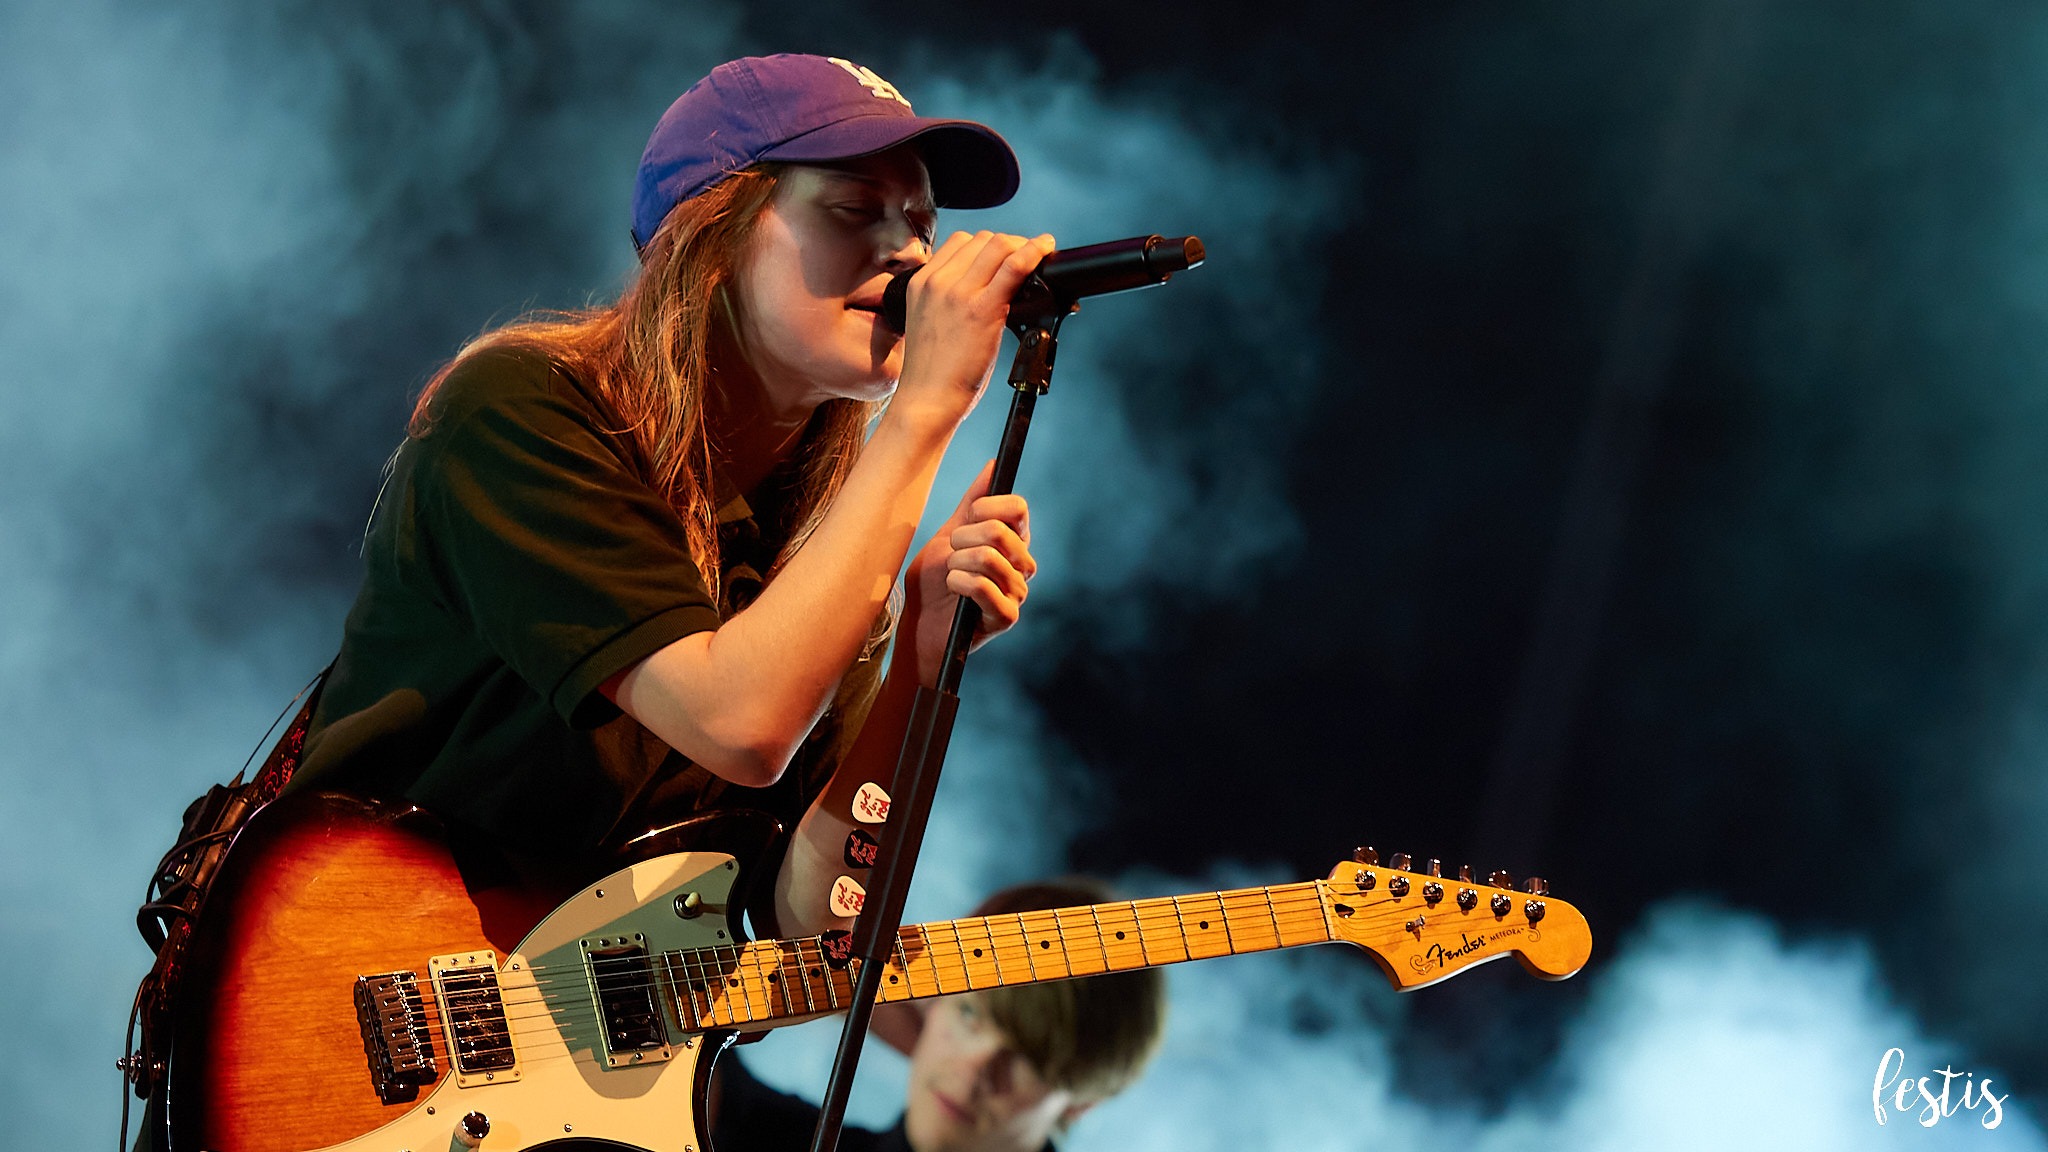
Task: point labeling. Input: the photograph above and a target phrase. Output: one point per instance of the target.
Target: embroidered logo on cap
(873, 83)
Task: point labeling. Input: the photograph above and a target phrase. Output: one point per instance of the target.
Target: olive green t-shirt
(515, 561)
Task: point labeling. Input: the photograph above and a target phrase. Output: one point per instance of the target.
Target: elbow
(751, 755)
(755, 766)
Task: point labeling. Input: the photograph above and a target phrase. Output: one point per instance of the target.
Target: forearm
(740, 700)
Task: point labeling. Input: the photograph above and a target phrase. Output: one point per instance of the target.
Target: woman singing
(637, 562)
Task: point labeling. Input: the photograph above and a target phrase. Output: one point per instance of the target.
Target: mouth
(956, 1112)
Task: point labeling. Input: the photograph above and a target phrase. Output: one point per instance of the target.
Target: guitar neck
(769, 981)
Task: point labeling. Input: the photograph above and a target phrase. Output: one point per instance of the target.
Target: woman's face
(810, 286)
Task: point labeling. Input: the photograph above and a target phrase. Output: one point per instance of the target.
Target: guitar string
(744, 968)
(586, 1016)
(1308, 897)
(582, 1013)
(726, 960)
(1308, 910)
(1011, 930)
(718, 1011)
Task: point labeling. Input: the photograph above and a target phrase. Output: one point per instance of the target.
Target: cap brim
(970, 165)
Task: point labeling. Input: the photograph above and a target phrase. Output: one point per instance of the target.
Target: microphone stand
(931, 725)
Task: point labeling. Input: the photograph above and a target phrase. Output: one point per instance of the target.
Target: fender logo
(1438, 957)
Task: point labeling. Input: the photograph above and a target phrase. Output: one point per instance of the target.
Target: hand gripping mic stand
(1035, 318)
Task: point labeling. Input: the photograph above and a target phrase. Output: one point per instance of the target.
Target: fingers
(998, 612)
(996, 537)
(986, 265)
(1009, 509)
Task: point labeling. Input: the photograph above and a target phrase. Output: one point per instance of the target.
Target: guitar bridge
(397, 1038)
(479, 1036)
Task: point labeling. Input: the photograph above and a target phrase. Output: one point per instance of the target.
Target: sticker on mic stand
(871, 804)
(862, 849)
(847, 896)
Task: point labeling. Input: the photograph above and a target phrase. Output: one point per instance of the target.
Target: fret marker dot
(1205, 925)
(977, 953)
(1119, 935)
(1045, 943)
(892, 979)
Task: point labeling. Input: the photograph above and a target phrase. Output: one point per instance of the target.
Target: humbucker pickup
(622, 985)
(479, 1037)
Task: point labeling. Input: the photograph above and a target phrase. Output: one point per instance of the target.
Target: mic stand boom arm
(924, 741)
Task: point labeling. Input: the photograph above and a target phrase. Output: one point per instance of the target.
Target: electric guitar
(349, 990)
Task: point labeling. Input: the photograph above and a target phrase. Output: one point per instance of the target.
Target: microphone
(1071, 273)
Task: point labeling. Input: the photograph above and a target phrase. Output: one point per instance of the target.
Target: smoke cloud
(240, 238)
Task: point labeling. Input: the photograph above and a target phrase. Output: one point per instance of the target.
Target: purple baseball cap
(807, 110)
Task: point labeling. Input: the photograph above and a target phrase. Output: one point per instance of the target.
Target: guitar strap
(177, 894)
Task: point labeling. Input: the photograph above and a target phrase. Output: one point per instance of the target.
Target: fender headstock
(1422, 927)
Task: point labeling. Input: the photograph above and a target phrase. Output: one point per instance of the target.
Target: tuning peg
(1435, 867)
(1399, 861)
(1464, 873)
(1365, 854)
(1536, 886)
(1500, 879)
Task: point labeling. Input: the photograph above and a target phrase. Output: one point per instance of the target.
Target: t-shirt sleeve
(530, 522)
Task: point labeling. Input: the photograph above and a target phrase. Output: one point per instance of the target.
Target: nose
(991, 1069)
(905, 251)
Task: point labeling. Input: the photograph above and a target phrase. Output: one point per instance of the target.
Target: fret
(685, 993)
(978, 947)
(822, 971)
(960, 954)
(1201, 918)
(1299, 912)
(1078, 931)
(1249, 920)
(1121, 936)
(713, 987)
(915, 951)
(845, 979)
(1159, 929)
(681, 997)
(803, 977)
(1046, 947)
(736, 977)
(895, 981)
(1012, 943)
(780, 972)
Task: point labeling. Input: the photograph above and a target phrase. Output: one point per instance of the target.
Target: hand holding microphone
(1067, 275)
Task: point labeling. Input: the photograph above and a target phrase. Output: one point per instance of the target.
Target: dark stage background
(1605, 443)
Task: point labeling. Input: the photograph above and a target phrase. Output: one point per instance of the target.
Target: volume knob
(471, 1131)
